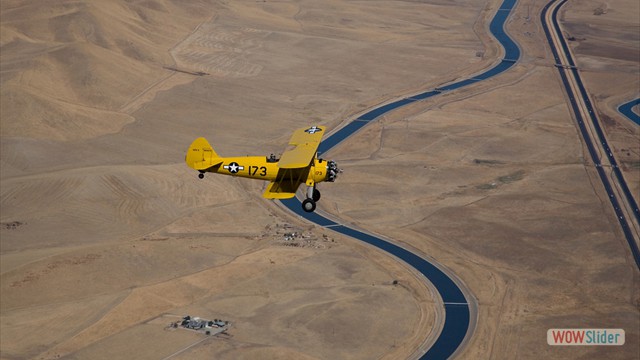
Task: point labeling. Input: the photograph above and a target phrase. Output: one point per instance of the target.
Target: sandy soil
(106, 233)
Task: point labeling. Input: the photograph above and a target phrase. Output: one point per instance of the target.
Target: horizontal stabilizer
(206, 165)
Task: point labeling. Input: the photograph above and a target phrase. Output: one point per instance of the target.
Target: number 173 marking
(254, 169)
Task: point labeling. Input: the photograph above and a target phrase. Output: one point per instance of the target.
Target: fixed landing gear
(313, 195)
(201, 175)
(308, 205)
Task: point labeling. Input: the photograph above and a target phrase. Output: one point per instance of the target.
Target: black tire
(308, 205)
(201, 176)
(316, 195)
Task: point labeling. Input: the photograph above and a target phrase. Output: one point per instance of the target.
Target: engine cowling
(324, 170)
(332, 171)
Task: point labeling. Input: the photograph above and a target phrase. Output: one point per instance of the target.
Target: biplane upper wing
(303, 146)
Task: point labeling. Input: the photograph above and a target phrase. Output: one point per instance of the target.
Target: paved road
(621, 198)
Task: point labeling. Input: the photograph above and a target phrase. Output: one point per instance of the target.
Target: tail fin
(201, 156)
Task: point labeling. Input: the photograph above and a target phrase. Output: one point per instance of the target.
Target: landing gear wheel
(308, 205)
(316, 195)
(201, 176)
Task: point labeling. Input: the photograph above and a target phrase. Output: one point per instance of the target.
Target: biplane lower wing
(286, 184)
(280, 190)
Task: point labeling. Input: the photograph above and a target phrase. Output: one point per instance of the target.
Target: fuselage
(266, 168)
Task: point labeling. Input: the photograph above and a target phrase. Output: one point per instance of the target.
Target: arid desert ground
(107, 236)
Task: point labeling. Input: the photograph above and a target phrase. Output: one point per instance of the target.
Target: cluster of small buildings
(285, 234)
(209, 327)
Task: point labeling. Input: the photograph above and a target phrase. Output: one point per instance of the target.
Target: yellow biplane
(299, 164)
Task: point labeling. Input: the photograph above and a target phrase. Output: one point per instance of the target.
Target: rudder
(201, 155)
